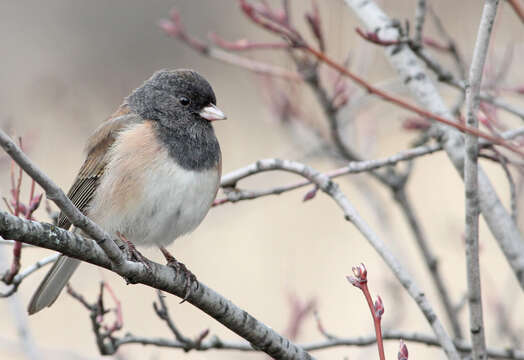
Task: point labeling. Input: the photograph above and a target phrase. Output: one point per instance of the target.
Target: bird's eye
(184, 101)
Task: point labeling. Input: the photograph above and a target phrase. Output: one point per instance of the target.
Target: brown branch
(174, 28)
(518, 8)
(360, 280)
(265, 18)
(374, 38)
(397, 101)
(244, 44)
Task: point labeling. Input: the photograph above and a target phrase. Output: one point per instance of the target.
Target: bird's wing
(88, 177)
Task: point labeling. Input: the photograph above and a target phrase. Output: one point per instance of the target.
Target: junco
(152, 169)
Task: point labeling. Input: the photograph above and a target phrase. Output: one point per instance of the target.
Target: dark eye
(184, 101)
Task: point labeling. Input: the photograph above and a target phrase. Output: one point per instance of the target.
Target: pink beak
(212, 113)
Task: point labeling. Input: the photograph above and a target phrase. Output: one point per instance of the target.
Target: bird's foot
(131, 252)
(180, 267)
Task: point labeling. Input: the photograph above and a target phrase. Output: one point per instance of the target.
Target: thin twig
(174, 28)
(451, 46)
(163, 313)
(216, 343)
(420, 17)
(17, 280)
(401, 103)
(430, 260)
(360, 281)
(518, 8)
(233, 194)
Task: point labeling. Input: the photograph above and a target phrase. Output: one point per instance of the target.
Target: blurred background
(67, 65)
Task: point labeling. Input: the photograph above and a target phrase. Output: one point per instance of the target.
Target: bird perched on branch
(151, 173)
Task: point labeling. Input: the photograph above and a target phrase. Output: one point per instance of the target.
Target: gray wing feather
(81, 194)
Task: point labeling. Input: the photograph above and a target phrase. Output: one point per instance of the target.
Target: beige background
(67, 65)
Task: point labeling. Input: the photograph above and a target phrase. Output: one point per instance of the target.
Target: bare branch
(360, 280)
(517, 7)
(420, 17)
(430, 260)
(405, 62)
(174, 28)
(233, 194)
(160, 277)
(163, 313)
(216, 343)
(471, 181)
(503, 161)
(350, 214)
(17, 280)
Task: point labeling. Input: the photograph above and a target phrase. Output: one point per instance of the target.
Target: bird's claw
(132, 254)
(180, 267)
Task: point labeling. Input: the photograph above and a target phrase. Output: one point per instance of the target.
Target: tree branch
(405, 62)
(430, 260)
(420, 16)
(233, 194)
(174, 28)
(17, 280)
(216, 343)
(332, 189)
(159, 277)
(471, 181)
(517, 7)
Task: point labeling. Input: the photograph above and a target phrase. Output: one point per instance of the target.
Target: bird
(151, 173)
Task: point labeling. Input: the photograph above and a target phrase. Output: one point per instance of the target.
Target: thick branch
(159, 277)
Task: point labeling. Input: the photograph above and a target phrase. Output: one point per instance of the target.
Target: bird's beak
(212, 113)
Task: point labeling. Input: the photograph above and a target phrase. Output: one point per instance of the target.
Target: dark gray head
(182, 104)
(173, 97)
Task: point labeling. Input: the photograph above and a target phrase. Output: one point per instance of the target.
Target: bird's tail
(53, 283)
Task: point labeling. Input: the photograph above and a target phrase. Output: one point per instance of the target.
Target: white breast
(161, 203)
(175, 201)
